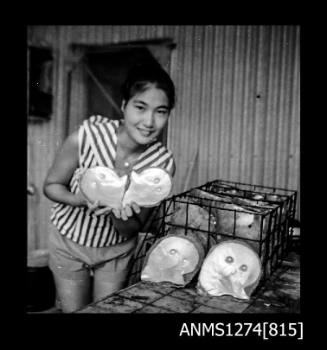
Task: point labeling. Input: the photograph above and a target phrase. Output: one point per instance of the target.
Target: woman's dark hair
(141, 75)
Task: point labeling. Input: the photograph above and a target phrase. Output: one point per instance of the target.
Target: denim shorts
(73, 261)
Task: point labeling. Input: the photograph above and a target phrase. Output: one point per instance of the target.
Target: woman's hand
(99, 210)
(127, 212)
(122, 213)
(128, 224)
(81, 201)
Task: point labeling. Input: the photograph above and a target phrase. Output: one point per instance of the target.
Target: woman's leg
(111, 276)
(71, 273)
(106, 284)
(73, 294)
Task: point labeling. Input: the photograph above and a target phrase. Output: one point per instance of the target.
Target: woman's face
(146, 114)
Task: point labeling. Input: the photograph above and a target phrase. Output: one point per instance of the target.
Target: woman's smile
(146, 132)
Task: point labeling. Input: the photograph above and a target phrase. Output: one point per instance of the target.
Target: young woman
(100, 241)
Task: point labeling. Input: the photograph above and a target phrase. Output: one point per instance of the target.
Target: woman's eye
(229, 259)
(163, 112)
(140, 108)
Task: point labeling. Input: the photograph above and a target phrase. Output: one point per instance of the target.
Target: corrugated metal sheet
(238, 89)
(238, 104)
(44, 139)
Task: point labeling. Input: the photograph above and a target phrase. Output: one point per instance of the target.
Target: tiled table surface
(280, 294)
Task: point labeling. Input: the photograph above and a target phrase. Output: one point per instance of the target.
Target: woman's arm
(59, 175)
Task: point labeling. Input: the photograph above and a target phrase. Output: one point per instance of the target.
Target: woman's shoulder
(163, 149)
(165, 157)
(100, 124)
(100, 119)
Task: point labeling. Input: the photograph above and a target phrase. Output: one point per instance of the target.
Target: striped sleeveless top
(97, 139)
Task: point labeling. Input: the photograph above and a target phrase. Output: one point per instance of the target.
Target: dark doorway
(102, 70)
(109, 69)
(40, 70)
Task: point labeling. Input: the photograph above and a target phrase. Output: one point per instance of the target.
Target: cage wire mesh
(260, 216)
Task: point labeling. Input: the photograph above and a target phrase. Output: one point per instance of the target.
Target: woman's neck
(126, 144)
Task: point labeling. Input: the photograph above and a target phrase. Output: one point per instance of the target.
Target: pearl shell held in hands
(104, 185)
(147, 188)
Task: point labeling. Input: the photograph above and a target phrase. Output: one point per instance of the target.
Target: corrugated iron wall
(238, 104)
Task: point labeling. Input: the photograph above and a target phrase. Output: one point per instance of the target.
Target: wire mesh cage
(258, 195)
(219, 210)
